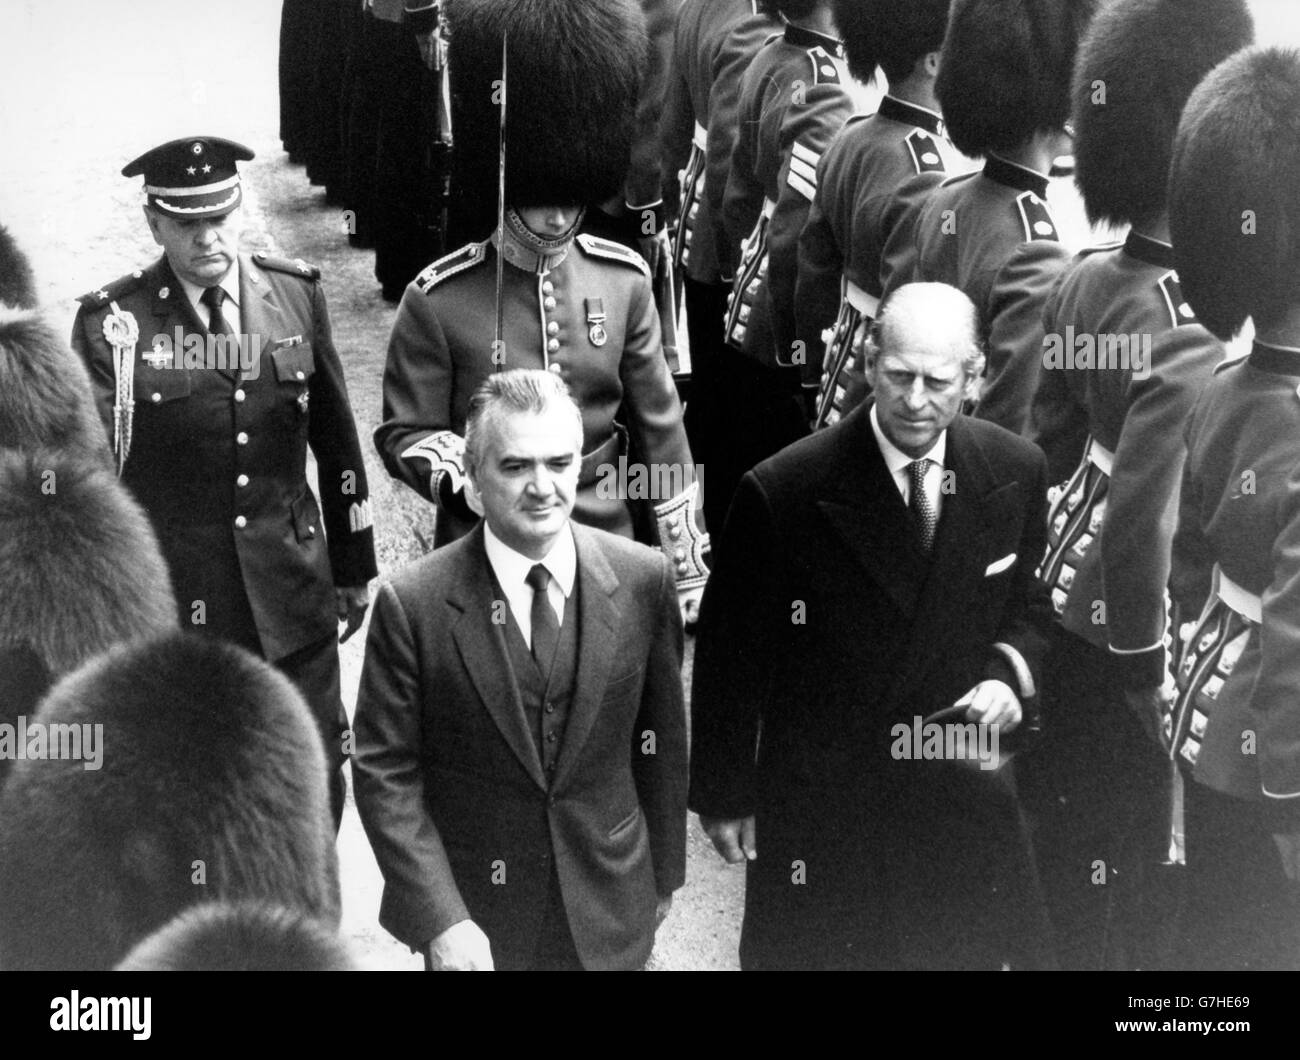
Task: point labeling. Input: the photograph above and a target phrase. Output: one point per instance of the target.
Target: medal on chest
(596, 321)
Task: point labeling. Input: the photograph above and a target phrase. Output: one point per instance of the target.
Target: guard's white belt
(769, 208)
(1243, 601)
(1100, 457)
(866, 304)
(700, 138)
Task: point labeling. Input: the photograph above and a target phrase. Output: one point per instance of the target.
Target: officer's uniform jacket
(794, 98)
(991, 235)
(1237, 718)
(702, 27)
(878, 168)
(1122, 408)
(218, 457)
(587, 313)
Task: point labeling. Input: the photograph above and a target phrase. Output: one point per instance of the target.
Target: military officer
(1120, 411)
(1004, 86)
(569, 302)
(214, 371)
(1235, 219)
(873, 173)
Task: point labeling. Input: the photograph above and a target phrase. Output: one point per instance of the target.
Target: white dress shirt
(511, 569)
(897, 460)
(229, 308)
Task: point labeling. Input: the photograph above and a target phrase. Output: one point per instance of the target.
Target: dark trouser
(1241, 913)
(755, 413)
(1098, 788)
(706, 311)
(315, 670)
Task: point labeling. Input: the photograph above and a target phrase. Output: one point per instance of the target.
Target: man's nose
(541, 483)
(916, 394)
(206, 235)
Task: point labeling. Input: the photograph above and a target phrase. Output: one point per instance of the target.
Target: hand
(661, 910)
(350, 603)
(1150, 705)
(654, 248)
(461, 948)
(733, 839)
(428, 48)
(992, 703)
(689, 602)
(1288, 846)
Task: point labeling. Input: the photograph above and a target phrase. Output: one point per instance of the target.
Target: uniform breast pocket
(306, 518)
(160, 386)
(294, 366)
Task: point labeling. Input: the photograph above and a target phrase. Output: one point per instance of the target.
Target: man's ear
(929, 64)
(152, 218)
(971, 390)
(472, 497)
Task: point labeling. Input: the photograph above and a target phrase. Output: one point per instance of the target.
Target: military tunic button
(239, 395)
(674, 531)
(300, 376)
(552, 328)
(164, 292)
(549, 302)
(311, 531)
(681, 568)
(679, 555)
(137, 274)
(242, 481)
(240, 522)
(548, 287)
(553, 345)
(241, 438)
(555, 368)
(155, 397)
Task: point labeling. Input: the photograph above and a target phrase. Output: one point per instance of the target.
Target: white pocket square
(998, 566)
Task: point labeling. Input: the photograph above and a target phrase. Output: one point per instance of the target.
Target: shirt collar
(511, 567)
(900, 110)
(1152, 251)
(897, 460)
(1014, 175)
(810, 38)
(229, 284)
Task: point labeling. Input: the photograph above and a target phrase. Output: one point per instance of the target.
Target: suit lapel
(958, 543)
(260, 316)
(599, 618)
(482, 647)
(868, 513)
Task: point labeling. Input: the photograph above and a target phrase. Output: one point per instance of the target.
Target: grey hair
(930, 299)
(517, 390)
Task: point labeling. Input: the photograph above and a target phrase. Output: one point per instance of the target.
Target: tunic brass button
(240, 522)
(548, 287)
(155, 397)
(242, 481)
(300, 376)
(552, 328)
(239, 395)
(241, 438)
(549, 302)
(553, 345)
(555, 368)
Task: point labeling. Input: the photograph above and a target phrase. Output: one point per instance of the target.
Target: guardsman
(874, 172)
(566, 301)
(1235, 219)
(794, 97)
(214, 371)
(1123, 363)
(703, 26)
(1004, 86)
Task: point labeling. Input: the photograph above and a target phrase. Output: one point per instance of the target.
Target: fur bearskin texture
(1234, 198)
(211, 786)
(45, 395)
(240, 937)
(17, 286)
(1146, 56)
(1006, 70)
(575, 69)
(891, 34)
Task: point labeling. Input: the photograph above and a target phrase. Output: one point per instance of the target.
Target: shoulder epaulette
(294, 267)
(606, 248)
(1035, 217)
(1179, 311)
(924, 152)
(123, 285)
(457, 261)
(825, 70)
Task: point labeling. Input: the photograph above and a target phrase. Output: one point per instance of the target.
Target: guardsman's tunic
(879, 167)
(1235, 727)
(584, 311)
(794, 98)
(991, 235)
(1123, 364)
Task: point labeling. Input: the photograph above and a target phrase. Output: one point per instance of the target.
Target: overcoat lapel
(482, 646)
(599, 618)
(261, 318)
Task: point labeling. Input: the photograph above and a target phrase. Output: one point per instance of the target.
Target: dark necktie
(546, 630)
(922, 509)
(212, 297)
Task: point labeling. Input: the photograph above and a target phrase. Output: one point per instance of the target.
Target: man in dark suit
(213, 371)
(521, 735)
(874, 575)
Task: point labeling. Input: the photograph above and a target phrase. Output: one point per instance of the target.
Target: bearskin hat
(17, 287)
(1138, 63)
(575, 69)
(209, 783)
(1234, 200)
(45, 395)
(1005, 70)
(890, 34)
(240, 937)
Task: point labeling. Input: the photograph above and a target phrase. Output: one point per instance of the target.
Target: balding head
(924, 361)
